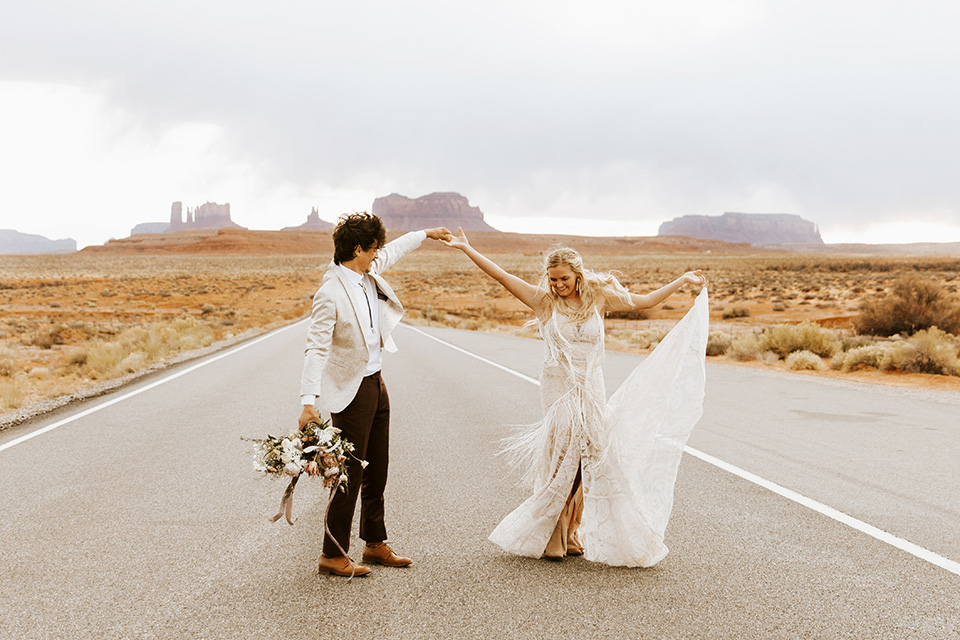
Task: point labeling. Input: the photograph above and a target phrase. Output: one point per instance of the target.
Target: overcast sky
(596, 117)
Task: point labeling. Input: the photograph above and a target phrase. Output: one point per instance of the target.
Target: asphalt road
(144, 519)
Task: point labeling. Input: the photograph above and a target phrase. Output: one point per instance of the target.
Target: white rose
(291, 469)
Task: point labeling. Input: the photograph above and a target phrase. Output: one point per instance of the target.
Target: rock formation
(209, 215)
(313, 222)
(755, 228)
(15, 242)
(150, 227)
(450, 210)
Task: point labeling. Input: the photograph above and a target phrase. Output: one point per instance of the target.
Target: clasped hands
(695, 277)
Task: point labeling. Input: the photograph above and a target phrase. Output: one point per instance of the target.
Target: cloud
(843, 113)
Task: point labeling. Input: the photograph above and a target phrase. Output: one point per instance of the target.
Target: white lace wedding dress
(628, 448)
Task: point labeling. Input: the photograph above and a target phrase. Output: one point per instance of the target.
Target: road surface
(138, 514)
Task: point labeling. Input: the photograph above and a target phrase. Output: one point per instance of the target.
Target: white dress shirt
(364, 292)
(363, 289)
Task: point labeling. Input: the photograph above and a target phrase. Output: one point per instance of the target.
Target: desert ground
(75, 324)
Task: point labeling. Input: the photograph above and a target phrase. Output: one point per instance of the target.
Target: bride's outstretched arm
(525, 292)
(652, 299)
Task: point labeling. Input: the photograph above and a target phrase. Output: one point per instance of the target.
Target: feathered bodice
(574, 356)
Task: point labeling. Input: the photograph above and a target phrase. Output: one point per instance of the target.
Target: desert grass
(926, 351)
(764, 308)
(70, 322)
(784, 340)
(804, 361)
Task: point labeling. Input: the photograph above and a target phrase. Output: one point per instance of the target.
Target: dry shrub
(434, 315)
(49, 337)
(785, 339)
(735, 312)
(929, 351)
(768, 358)
(745, 347)
(6, 363)
(476, 324)
(718, 343)
(629, 314)
(649, 338)
(76, 357)
(912, 304)
(137, 347)
(11, 394)
(804, 361)
(132, 363)
(875, 356)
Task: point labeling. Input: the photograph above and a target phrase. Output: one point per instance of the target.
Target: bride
(602, 471)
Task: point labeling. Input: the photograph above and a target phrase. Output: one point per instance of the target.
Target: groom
(354, 313)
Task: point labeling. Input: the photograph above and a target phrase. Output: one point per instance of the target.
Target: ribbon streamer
(286, 503)
(286, 509)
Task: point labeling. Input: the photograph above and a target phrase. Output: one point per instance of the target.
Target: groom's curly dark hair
(357, 229)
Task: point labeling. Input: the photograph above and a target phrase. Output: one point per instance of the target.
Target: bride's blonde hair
(592, 287)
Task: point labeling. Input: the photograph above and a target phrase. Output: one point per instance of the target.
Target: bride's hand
(457, 242)
(695, 277)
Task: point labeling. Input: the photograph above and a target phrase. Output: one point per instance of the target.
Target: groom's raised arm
(393, 251)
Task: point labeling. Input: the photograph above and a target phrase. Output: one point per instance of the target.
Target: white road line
(872, 531)
(136, 392)
(473, 355)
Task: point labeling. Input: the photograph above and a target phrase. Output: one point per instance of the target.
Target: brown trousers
(366, 423)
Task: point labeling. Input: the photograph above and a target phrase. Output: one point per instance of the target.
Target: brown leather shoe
(381, 553)
(340, 566)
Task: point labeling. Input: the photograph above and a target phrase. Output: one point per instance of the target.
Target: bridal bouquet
(290, 455)
(317, 442)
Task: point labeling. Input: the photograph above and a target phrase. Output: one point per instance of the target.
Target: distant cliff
(15, 242)
(313, 222)
(755, 228)
(209, 215)
(450, 210)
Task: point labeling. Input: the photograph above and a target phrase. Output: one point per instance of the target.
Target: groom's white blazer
(336, 355)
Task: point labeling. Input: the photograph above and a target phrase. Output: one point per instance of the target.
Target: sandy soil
(234, 282)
